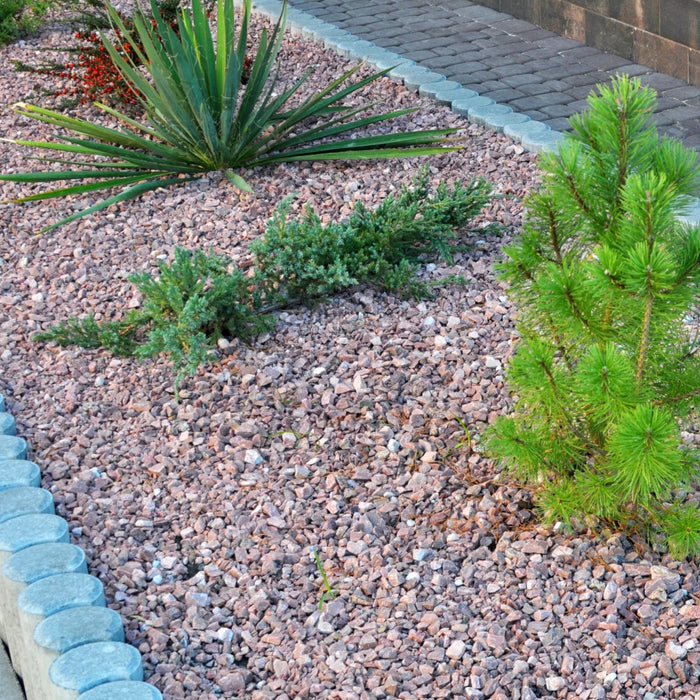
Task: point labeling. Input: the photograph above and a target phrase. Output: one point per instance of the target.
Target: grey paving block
(71, 628)
(535, 88)
(41, 560)
(633, 69)
(27, 530)
(90, 665)
(7, 424)
(561, 110)
(503, 94)
(421, 55)
(477, 12)
(18, 472)
(539, 102)
(122, 690)
(558, 124)
(605, 61)
(468, 67)
(520, 79)
(22, 500)
(12, 447)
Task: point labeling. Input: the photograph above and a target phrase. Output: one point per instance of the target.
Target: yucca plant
(608, 366)
(201, 119)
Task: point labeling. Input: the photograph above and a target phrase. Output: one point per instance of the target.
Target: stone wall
(662, 34)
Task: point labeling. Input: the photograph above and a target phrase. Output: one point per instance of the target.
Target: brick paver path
(516, 63)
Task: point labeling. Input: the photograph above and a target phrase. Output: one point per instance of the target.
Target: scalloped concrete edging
(63, 642)
(52, 613)
(534, 136)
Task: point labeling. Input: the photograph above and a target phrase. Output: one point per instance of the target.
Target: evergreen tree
(605, 280)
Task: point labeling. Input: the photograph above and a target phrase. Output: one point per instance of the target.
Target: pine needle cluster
(607, 370)
(201, 296)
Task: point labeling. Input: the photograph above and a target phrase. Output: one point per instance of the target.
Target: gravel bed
(336, 433)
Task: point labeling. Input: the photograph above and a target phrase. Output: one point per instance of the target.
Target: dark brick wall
(662, 34)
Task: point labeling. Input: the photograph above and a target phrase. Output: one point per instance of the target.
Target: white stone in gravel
(276, 522)
(224, 634)
(394, 577)
(412, 578)
(421, 554)
(440, 341)
(520, 667)
(610, 591)
(356, 547)
(429, 321)
(562, 552)
(555, 683)
(675, 651)
(456, 649)
(492, 362)
(252, 457)
(393, 446)
(289, 439)
(324, 626)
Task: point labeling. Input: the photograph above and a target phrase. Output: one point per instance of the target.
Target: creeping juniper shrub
(606, 283)
(382, 246)
(201, 297)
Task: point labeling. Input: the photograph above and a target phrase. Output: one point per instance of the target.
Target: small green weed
(329, 593)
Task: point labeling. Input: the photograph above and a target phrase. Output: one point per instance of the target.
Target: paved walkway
(515, 63)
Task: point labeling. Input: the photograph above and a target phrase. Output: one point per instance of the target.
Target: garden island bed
(338, 432)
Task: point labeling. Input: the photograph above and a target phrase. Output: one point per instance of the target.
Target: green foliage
(303, 258)
(201, 297)
(606, 279)
(200, 118)
(21, 17)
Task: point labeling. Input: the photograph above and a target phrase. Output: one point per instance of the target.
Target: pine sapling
(605, 279)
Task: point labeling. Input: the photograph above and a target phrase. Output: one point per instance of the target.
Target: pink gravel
(338, 432)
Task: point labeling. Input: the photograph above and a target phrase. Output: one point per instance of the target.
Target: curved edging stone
(425, 81)
(63, 642)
